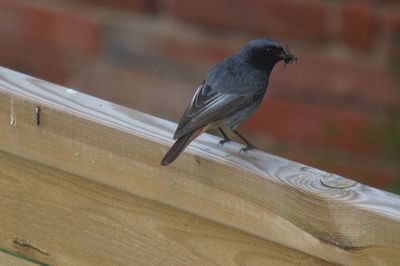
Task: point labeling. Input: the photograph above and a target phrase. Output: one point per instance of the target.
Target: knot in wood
(335, 181)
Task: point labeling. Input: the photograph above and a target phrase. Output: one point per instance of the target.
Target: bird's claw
(248, 147)
(222, 142)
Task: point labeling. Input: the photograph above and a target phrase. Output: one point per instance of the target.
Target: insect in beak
(288, 57)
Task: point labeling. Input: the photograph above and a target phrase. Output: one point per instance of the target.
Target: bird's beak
(282, 55)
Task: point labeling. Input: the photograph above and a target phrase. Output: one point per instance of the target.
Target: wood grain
(80, 222)
(272, 198)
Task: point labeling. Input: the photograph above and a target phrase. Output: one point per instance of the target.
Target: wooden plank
(69, 220)
(10, 259)
(258, 193)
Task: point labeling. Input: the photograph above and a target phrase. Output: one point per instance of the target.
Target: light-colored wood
(263, 195)
(11, 260)
(79, 222)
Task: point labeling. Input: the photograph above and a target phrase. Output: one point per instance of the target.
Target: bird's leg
(249, 146)
(226, 138)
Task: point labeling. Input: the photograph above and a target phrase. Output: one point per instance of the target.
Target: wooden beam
(281, 202)
(64, 219)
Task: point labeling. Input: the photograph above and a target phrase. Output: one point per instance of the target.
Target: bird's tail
(179, 146)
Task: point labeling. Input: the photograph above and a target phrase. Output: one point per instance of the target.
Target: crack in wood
(21, 242)
(37, 115)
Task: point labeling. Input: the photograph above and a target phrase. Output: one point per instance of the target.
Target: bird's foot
(248, 147)
(222, 142)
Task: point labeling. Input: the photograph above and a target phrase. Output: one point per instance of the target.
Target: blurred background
(338, 110)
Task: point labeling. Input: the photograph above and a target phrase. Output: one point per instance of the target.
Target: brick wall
(338, 110)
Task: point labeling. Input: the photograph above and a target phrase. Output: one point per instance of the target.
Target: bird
(231, 92)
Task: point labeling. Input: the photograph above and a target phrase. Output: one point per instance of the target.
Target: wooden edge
(10, 259)
(262, 194)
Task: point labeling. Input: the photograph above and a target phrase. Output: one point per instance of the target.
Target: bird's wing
(210, 105)
(229, 86)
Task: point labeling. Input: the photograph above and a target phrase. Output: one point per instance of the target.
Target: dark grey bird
(231, 92)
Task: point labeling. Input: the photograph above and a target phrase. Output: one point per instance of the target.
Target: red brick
(49, 28)
(46, 65)
(358, 25)
(313, 124)
(391, 30)
(198, 52)
(134, 5)
(393, 2)
(337, 82)
(273, 17)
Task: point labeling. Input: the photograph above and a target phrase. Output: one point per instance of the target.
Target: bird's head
(264, 53)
